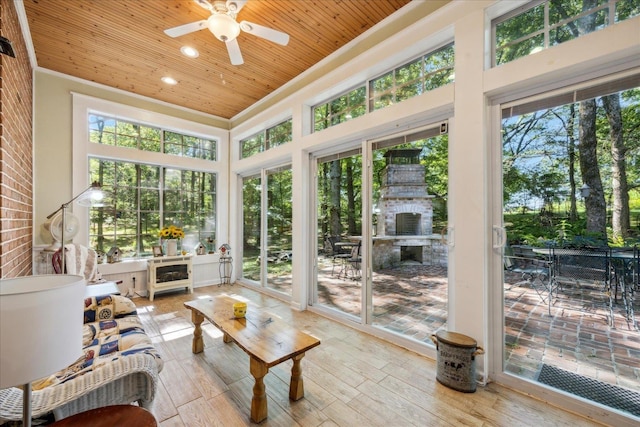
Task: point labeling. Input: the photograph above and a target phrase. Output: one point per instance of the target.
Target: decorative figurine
(113, 255)
(200, 249)
(225, 250)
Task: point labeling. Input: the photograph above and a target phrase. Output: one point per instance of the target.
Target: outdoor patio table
(607, 254)
(616, 268)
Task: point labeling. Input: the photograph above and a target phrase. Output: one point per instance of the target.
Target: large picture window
(143, 197)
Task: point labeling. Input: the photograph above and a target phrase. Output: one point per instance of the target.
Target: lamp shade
(40, 326)
(92, 196)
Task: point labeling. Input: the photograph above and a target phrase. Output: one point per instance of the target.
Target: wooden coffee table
(267, 340)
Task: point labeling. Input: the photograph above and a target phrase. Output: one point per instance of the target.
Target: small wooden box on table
(267, 340)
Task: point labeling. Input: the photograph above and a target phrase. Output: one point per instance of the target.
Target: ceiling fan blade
(234, 52)
(235, 5)
(265, 32)
(181, 30)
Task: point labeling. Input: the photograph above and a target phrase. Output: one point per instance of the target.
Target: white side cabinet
(169, 272)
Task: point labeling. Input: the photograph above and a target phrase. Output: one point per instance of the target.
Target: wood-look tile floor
(351, 379)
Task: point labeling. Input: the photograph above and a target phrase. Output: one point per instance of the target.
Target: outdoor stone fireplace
(404, 231)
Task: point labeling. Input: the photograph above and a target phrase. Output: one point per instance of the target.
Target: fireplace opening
(411, 253)
(171, 273)
(408, 224)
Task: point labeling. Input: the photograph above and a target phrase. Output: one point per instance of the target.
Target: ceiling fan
(223, 24)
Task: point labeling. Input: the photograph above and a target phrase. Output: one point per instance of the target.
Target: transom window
(426, 73)
(266, 139)
(340, 109)
(122, 133)
(421, 75)
(542, 24)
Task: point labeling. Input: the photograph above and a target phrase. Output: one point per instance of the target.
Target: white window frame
(83, 150)
(611, 6)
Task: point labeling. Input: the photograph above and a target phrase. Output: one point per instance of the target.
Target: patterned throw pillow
(107, 307)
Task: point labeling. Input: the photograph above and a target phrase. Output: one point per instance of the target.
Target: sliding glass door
(339, 202)
(251, 227)
(571, 210)
(408, 249)
(278, 255)
(382, 234)
(267, 233)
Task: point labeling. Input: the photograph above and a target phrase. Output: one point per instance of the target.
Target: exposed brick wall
(16, 151)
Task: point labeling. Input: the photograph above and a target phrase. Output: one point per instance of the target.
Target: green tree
(620, 210)
(589, 167)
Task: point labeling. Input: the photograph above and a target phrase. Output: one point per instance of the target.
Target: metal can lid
(456, 339)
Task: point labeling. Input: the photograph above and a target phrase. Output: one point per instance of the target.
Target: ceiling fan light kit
(223, 25)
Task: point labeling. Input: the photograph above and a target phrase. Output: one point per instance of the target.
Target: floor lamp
(91, 196)
(33, 312)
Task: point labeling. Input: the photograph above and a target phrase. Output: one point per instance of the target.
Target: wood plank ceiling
(121, 44)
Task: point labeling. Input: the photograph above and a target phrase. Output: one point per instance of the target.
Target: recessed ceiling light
(189, 51)
(169, 80)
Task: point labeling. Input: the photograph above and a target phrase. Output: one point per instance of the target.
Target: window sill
(140, 264)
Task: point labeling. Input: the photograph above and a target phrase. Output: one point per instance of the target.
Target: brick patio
(411, 300)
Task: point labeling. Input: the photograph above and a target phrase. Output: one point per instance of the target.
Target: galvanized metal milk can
(456, 360)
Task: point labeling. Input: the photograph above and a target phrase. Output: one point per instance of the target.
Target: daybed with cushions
(119, 366)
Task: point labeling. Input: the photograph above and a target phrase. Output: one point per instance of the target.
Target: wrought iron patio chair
(583, 267)
(536, 273)
(337, 255)
(355, 261)
(625, 263)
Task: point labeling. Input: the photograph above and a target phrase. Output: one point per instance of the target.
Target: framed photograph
(157, 251)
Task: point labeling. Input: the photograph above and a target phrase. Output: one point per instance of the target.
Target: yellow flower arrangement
(171, 232)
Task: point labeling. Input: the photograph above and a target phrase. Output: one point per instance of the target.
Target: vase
(172, 247)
